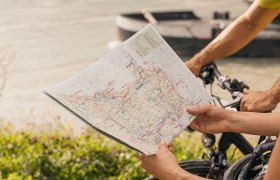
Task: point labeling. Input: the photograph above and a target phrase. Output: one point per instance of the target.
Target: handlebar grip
(226, 84)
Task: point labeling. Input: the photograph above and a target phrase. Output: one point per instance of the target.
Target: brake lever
(234, 103)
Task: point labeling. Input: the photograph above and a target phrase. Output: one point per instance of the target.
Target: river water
(55, 39)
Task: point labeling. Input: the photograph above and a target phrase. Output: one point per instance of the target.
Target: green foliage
(55, 156)
(30, 155)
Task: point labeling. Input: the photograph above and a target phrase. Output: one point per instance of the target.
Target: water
(55, 39)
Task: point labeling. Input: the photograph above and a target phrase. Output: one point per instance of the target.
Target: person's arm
(234, 37)
(212, 119)
(273, 165)
(261, 101)
(164, 166)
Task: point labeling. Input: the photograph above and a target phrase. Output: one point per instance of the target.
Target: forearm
(232, 39)
(237, 35)
(255, 123)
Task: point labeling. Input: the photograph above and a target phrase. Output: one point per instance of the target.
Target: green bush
(30, 155)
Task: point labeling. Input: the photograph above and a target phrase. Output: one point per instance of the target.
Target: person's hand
(257, 101)
(210, 119)
(194, 66)
(199, 60)
(163, 165)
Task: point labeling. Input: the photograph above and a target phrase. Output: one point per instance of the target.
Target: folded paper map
(137, 94)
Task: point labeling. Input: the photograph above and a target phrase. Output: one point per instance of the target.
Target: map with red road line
(137, 94)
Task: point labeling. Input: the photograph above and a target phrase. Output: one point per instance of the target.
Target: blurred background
(45, 42)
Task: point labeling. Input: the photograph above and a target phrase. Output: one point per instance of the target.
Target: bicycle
(214, 162)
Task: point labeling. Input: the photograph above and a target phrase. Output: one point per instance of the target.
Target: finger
(252, 108)
(162, 144)
(170, 145)
(245, 108)
(170, 149)
(194, 125)
(141, 156)
(243, 103)
(200, 110)
(246, 91)
(142, 165)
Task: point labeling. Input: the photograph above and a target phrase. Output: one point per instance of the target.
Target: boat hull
(187, 47)
(187, 34)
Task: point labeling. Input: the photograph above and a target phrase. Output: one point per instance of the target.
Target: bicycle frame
(237, 139)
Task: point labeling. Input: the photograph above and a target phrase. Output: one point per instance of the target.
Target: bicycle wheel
(256, 172)
(200, 168)
(233, 172)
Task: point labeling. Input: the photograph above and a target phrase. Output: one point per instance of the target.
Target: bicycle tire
(233, 172)
(198, 167)
(238, 169)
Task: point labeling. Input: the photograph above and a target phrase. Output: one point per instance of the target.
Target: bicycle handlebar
(211, 70)
(223, 80)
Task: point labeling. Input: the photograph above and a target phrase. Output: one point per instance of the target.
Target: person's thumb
(194, 125)
(200, 109)
(162, 144)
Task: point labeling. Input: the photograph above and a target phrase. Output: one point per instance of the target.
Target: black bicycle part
(257, 156)
(202, 168)
(210, 72)
(237, 139)
(208, 140)
(251, 165)
(233, 172)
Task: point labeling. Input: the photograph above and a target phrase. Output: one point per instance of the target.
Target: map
(137, 94)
